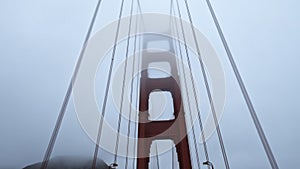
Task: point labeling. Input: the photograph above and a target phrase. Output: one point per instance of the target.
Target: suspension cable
(208, 90)
(170, 13)
(123, 87)
(197, 105)
(157, 159)
(246, 96)
(139, 6)
(107, 88)
(137, 95)
(177, 63)
(131, 88)
(69, 91)
(140, 10)
(173, 158)
(188, 99)
(185, 81)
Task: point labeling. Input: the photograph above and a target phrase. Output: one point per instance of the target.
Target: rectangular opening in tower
(161, 106)
(163, 154)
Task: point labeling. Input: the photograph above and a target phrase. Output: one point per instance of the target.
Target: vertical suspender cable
(107, 88)
(187, 95)
(170, 13)
(137, 96)
(198, 108)
(123, 86)
(131, 93)
(139, 6)
(69, 91)
(186, 50)
(173, 157)
(131, 88)
(177, 63)
(208, 90)
(140, 10)
(157, 159)
(252, 111)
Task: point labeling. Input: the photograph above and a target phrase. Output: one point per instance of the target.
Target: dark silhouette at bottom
(70, 162)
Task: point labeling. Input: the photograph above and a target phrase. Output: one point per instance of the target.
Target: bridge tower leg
(174, 129)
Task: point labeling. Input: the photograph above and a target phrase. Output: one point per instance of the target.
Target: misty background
(40, 42)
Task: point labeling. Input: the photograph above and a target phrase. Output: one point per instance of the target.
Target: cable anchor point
(209, 164)
(113, 166)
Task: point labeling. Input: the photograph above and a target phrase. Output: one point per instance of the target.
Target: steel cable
(198, 111)
(123, 86)
(246, 96)
(131, 88)
(184, 73)
(208, 91)
(157, 158)
(137, 94)
(107, 88)
(69, 91)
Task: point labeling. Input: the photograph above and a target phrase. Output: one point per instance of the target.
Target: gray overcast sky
(40, 41)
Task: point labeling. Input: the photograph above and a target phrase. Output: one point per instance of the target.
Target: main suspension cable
(107, 88)
(246, 96)
(69, 91)
(208, 89)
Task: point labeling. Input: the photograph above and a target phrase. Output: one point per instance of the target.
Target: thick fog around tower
(40, 42)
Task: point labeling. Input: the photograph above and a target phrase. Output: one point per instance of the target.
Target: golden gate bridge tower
(175, 128)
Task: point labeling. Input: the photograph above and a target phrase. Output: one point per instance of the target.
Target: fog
(40, 42)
